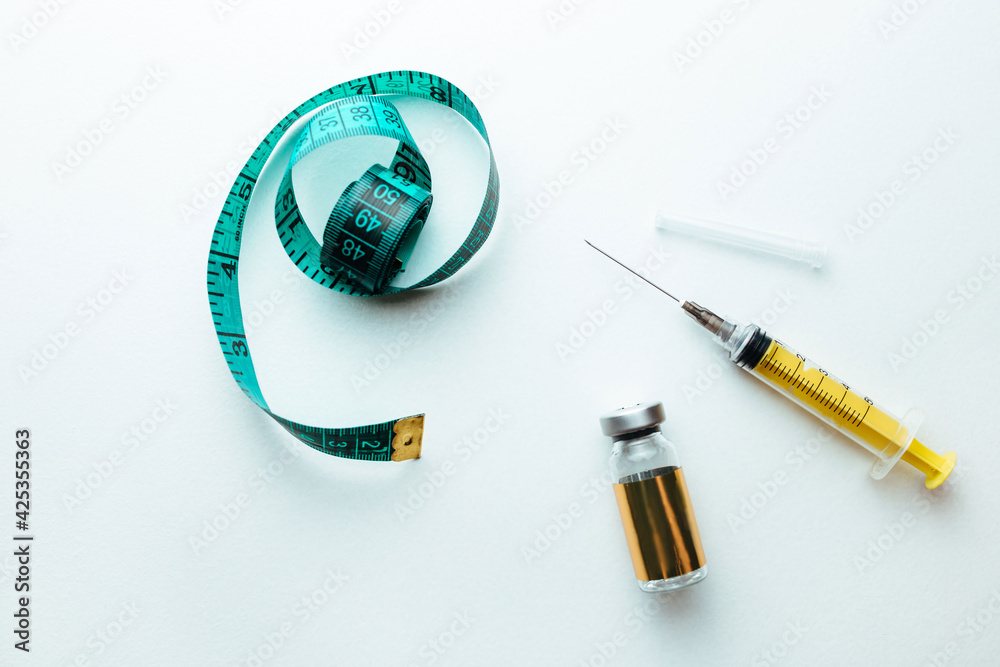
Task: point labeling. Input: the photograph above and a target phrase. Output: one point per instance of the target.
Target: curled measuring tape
(369, 235)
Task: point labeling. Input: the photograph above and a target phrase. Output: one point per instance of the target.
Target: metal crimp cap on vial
(634, 418)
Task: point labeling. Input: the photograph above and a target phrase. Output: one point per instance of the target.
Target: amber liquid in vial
(659, 524)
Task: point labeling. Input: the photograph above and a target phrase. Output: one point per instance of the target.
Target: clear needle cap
(813, 253)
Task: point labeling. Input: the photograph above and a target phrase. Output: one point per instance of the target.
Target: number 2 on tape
(368, 238)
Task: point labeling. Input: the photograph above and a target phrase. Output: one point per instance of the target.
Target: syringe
(808, 385)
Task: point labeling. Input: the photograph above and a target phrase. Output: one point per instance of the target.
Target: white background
(828, 567)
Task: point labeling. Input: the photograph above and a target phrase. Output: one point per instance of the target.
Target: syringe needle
(631, 271)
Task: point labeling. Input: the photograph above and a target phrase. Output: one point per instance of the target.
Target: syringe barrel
(811, 387)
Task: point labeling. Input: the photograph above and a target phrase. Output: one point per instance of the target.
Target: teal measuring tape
(369, 235)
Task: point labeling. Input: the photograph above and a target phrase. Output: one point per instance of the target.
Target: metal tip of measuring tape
(409, 434)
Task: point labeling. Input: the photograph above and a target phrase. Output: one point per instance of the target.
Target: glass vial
(653, 500)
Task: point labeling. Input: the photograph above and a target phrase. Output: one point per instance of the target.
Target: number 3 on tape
(369, 235)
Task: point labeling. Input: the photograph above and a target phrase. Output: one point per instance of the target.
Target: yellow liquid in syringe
(852, 414)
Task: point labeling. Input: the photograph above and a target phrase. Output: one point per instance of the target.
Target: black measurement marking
(860, 421)
(797, 366)
(840, 401)
(815, 391)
